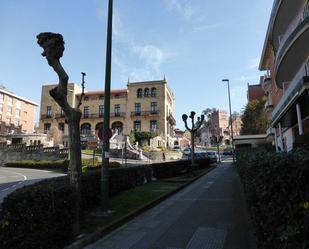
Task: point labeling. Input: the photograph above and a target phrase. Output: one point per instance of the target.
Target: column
(299, 120)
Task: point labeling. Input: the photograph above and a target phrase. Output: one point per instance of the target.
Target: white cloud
(243, 78)
(253, 63)
(183, 7)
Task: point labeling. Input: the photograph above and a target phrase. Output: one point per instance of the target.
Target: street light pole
(231, 123)
(105, 202)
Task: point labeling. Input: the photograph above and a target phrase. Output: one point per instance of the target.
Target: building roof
(116, 91)
(5, 91)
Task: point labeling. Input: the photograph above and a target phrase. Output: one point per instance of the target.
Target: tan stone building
(142, 106)
(17, 114)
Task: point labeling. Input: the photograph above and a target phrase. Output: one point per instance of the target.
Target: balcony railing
(292, 89)
(117, 114)
(294, 24)
(101, 115)
(46, 116)
(171, 119)
(60, 115)
(144, 113)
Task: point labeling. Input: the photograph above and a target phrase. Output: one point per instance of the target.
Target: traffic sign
(100, 133)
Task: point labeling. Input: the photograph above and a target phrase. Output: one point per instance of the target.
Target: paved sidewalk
(208, 214)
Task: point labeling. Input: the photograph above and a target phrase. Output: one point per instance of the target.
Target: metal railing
(144, 113)
(293, 25)
(303, 71)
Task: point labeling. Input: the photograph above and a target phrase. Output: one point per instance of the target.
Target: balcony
(46, 116)
(59, 116)
(293, 49)
(117, 114)
(292, 92)
(266, 83)
(144, 113)
(101, 115)
(283, 13)
(171, 119)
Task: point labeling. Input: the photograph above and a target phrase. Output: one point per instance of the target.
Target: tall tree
(254, 118)
(53, 46)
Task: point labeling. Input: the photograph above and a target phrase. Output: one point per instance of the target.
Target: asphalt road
(13, 178)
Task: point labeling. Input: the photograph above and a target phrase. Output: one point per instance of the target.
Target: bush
(175, 168)
(42, 164)
(41, 215)
(277, 191)
(89, 165)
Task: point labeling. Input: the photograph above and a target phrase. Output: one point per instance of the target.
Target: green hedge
(175, 168)
(41, 164)
(41, 215)
(277, 191)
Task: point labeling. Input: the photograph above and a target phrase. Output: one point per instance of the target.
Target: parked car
(227, 152)
(197, 155)
(213, 156)
(187, 151)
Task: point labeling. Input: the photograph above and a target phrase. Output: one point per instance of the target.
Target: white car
(213, 156)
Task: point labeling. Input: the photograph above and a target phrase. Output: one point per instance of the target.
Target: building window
(10, 101)
(137, 126)
(153, 92)
(154, 108)
(85, 129)
(86, 98)
(1, 97)
(48, 111)
(101, 111)
(86, 112)
(9, 110)
(117, 109)
(17, 113)
(8, 121)
(117, 96)
(61, 127)
(140, 93)
(153, 125)
(137, 108)
(47, 127)
(1, 108)
(146, 92)
(101, 97)
(18, 104)
(16, 122)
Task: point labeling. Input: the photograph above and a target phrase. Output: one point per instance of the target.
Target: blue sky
(195, 43)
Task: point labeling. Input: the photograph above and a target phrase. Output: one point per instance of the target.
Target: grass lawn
(130, 201)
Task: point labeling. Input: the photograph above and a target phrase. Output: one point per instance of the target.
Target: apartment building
(255, 92)
(142, 106)
(285, 62)
(17, 114)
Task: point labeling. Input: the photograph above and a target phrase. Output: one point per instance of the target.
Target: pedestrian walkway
(208, 214)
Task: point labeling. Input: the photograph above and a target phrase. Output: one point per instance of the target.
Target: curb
(102, 231)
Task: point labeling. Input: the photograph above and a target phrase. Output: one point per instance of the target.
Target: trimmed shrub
(89, 165)
(175, 168)
(277, 191)
(41, 164)
(40, 216)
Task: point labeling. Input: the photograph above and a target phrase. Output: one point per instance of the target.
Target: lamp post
(195, 127)
(105, 202)
(231, 123)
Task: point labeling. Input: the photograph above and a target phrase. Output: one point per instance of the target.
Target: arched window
(153, 92)
(85, 129)
(139, 92)
(146, 92)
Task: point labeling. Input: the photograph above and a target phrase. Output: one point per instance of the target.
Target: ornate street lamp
(193, 129)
